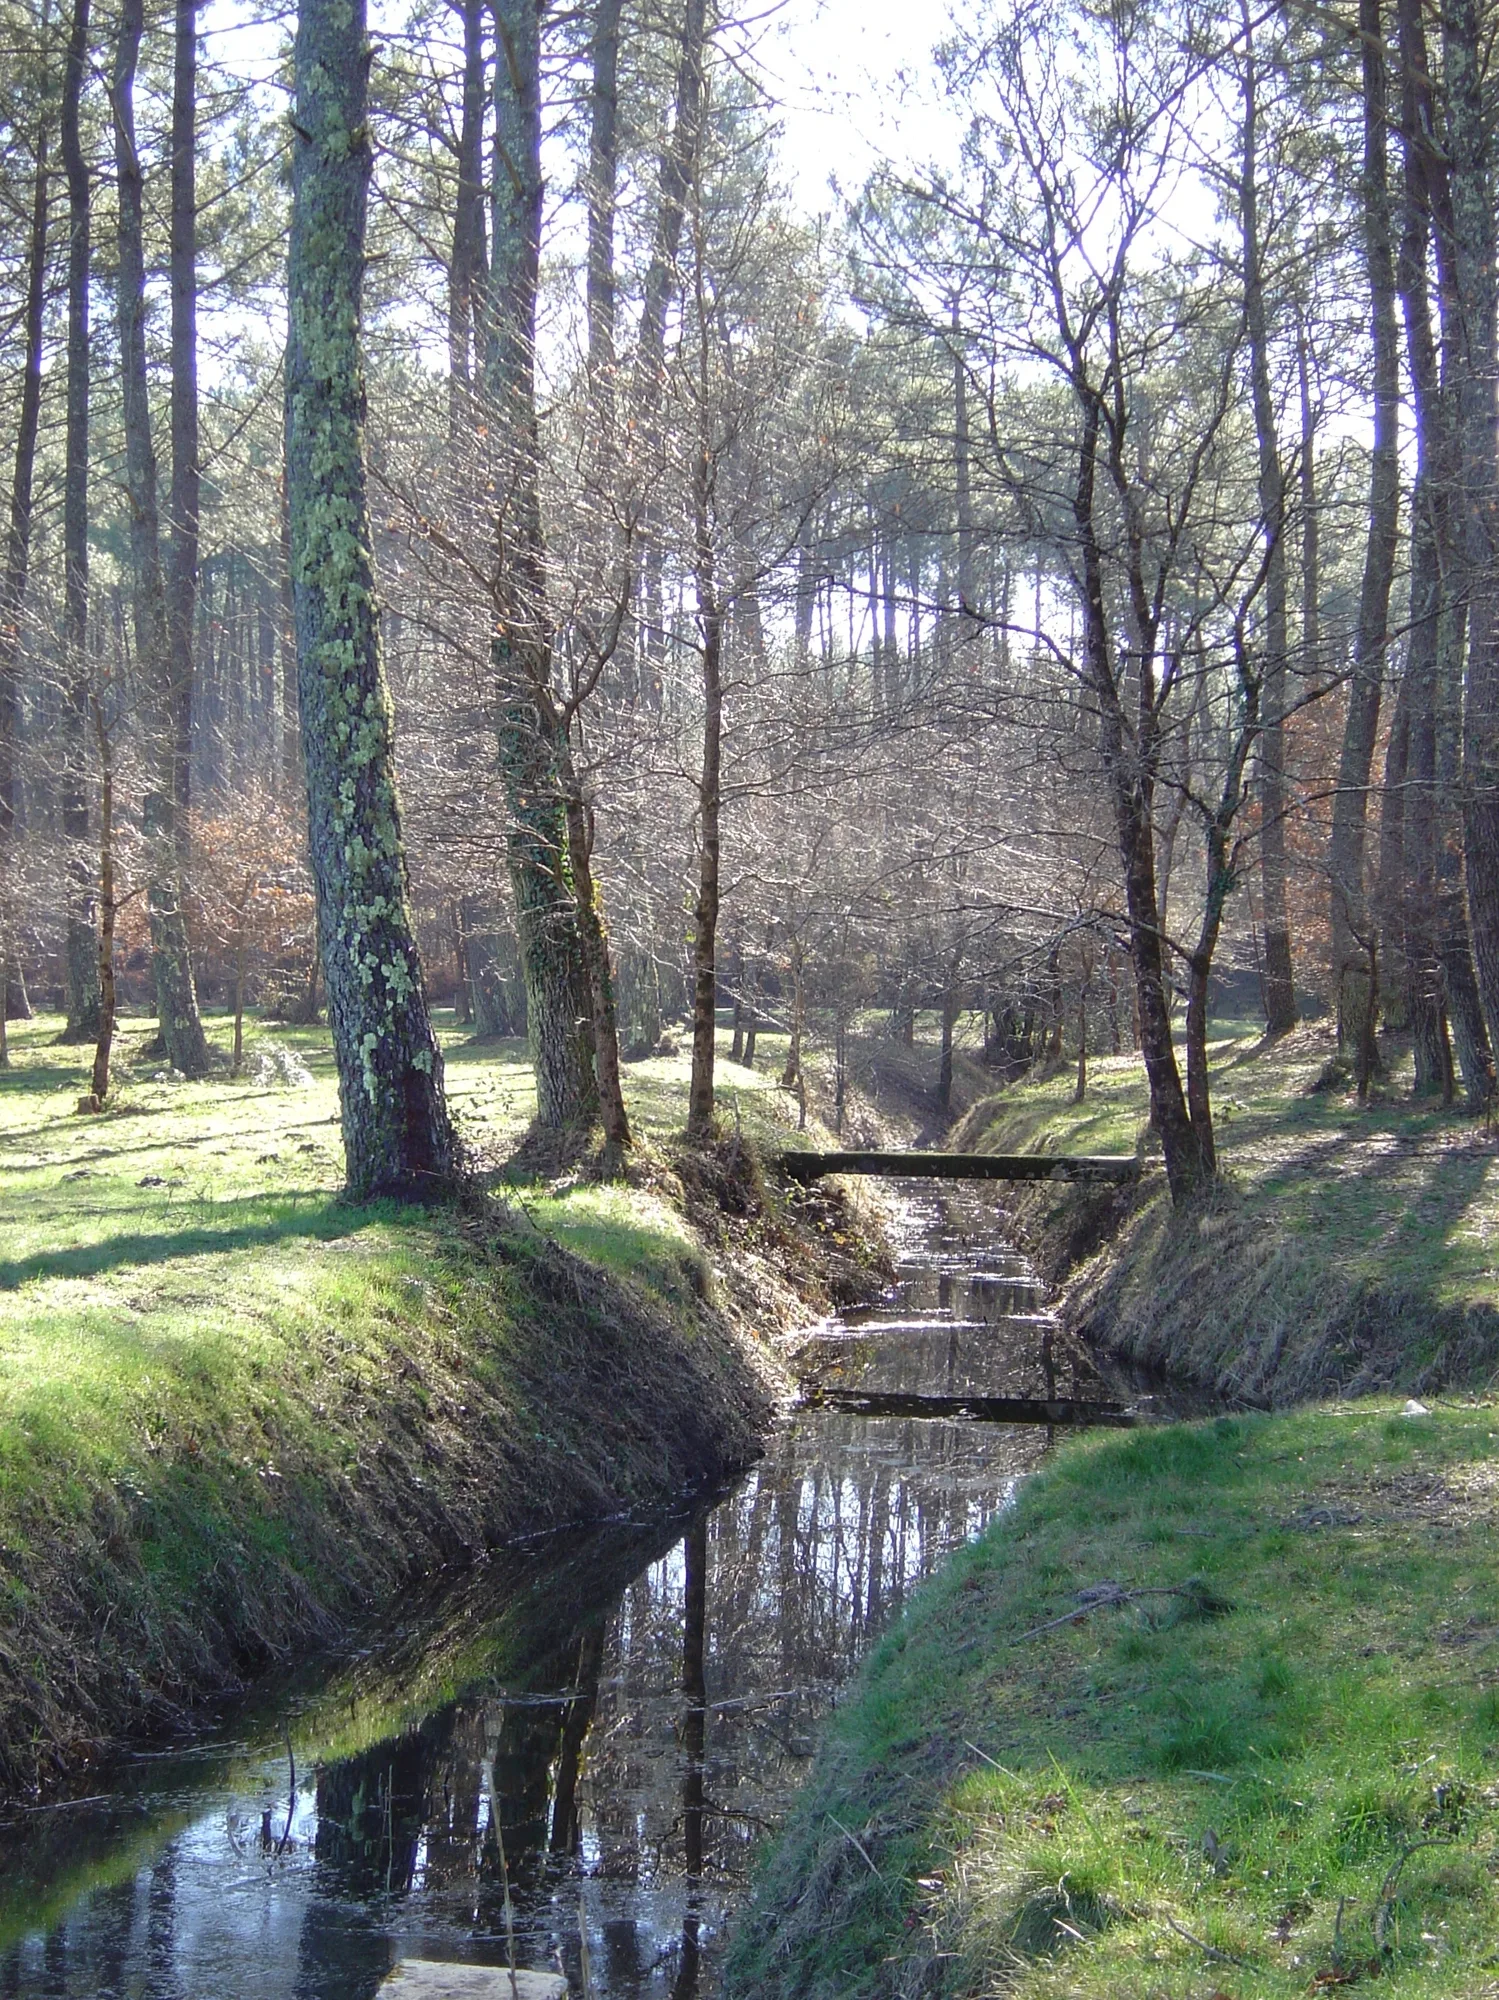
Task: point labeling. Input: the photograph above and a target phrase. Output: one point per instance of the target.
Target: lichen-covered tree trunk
(397, 1136)
(81, 949)
(171, 961)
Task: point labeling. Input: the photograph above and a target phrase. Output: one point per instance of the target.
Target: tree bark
(1311, 521)
(705, 914)
(176, 998)
(677, 171)
(968, 625)
(1408, 856)
(533, 750)
(1279, 976)
(1128, 768)
(184, 504)
(1352, 923)
(397, 1136)
(1465, 36)
(104, 1035)
(603, 178)
(18, 560)
(468, 256)
(594, 941)
(949, 1020)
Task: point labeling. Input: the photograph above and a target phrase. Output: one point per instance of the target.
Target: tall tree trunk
(18, 563)
(968, 625)
(293, 776)
(533, 750)
(949, 1022)
(1311, 520)
(705, 914)
(1442, 956)
(1408, 870)
(662, 280)
(1279, 976)
(1128, 766)
(182, 580)
(397, 1137)
(468, 257)
(603, 179)
(1465, 37)
(1280, 973)
(677, 172)
(82, 960)
(108, 907)
(176, 999)
(1352, 922)
(594, 942)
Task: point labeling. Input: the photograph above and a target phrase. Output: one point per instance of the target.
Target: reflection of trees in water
(672, 1704)
(680, 1722)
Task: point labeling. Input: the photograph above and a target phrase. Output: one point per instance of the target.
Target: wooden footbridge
(1120, 1168)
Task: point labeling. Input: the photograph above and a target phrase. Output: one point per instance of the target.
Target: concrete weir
(432, 1979)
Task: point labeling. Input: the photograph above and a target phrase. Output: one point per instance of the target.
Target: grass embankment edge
(240, 1418)
(1345, 1250)
(1264, 1763)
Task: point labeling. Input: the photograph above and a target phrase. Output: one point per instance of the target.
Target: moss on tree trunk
(397, 1136)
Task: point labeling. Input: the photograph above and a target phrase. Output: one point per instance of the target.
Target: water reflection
(603, 1738)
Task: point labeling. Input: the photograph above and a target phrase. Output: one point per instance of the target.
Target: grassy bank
(237, 1414)
(1274, 1770)
(1349, 1248)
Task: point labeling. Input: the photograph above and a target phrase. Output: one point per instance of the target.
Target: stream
(594, 1736)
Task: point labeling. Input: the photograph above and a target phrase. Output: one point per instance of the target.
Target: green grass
(214, 1372)
(1346, 1247)
(1395, 1191)
(1284, 1779)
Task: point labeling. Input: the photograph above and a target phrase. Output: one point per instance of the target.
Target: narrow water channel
(604, 1726)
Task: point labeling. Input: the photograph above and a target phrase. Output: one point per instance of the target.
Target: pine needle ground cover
(237, 1413)
(1264, 1763)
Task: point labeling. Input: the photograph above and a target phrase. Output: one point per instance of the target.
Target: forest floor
(238, 1414)
(1213, 1713)
(1348, 1247)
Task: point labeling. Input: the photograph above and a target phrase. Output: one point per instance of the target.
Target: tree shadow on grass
(43, 1079)
(325, 1218)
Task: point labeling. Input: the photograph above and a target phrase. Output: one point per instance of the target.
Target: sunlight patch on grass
(1304, 1781)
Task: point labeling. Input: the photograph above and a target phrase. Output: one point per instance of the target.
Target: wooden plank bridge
(1120, 1168)
(971, 1409)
